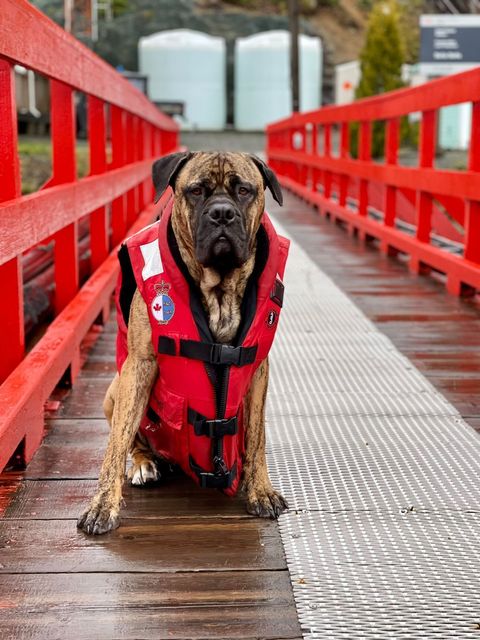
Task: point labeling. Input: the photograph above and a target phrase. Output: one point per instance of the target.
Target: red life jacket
(194, 417)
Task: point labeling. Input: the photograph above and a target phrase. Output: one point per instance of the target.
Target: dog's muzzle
(221, 239)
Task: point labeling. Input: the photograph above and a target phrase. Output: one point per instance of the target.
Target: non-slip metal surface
(382, 475)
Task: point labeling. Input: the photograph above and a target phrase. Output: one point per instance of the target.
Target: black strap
(153, 415)
(277, 291)
(166, 346)
(222, 478)
(216, 353)
(212, 428)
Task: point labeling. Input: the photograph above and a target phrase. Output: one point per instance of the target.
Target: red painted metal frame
(341, 185)
(114, 197)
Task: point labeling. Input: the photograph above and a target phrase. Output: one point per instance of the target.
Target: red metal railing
(115, 196)
(374, 198)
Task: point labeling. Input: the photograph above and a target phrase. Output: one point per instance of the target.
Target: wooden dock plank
(185, 563)
(64, 499)
(141, 545)
(152, 606)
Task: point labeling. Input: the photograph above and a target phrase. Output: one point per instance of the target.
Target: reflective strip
(152, 259)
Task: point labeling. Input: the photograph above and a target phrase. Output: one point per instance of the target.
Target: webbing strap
(211, 352)
(212, 428)
(222, 478)
(216, 353)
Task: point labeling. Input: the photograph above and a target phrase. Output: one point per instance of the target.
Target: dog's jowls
(219, 201)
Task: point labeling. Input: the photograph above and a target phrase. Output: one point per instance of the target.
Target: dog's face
(219, 201)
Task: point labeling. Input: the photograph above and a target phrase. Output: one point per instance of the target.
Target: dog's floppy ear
(269, 179)
(165, 171)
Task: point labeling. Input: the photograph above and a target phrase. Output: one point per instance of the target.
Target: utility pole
(68, 11)
(294, 65)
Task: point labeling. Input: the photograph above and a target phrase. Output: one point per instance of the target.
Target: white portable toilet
(185, 66)
(262, 78)
(347, 78)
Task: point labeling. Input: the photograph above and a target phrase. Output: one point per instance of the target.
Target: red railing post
(313, 153)
(12, 339)
(64, 170)
(118, 219)
(130, 156)
(472, 213)
(98, 165)
(327, 152)
(392, 141)
(344, 152)
(365, 146)
(424, 199)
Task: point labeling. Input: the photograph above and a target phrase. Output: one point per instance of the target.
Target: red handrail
(114, 196)
(374, 198)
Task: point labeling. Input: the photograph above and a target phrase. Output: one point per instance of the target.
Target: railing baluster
(12, 338)
(424, 203)
(365, 146)
(344, 152)
(392, 140)
(313, 153)
(472, 212)
(119, 221)
(98, 165)
(64, 170)
(327, 152)
(130, 156)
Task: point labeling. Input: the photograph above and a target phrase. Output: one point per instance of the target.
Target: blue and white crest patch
(162, 306)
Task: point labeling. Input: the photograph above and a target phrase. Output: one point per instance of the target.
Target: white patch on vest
(152, 259)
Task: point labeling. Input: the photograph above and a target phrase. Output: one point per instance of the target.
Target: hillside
(340, 23)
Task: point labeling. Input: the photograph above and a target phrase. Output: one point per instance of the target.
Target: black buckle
(224, 354)
(216, 428)
(221, 468)
(277, 292)
(222, 478)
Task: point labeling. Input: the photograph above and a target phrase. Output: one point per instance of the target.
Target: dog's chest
(224, 315)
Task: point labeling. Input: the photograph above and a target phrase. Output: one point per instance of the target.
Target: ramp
(381, 474)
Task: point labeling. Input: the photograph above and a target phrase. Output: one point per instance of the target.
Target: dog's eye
(243, 191)
(196, 191)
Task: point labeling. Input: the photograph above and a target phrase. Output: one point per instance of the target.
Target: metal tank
(262, 78)
(186, 76)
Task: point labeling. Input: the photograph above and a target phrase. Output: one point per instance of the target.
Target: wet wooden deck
(185, 563)
(188, 563)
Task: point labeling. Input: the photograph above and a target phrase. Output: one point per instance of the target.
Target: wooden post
(64, 170)
(392, 140)
(424, 200)
(344, 151)
(12, 338)
(119, 221)
(98, 165)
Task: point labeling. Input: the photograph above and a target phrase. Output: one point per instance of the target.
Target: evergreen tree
(381, 61)
(383, 54)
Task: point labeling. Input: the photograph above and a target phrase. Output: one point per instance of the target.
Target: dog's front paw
(266, 504)
(99, 518)
(142, 473)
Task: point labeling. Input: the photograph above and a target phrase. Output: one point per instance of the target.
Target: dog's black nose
(221, 213)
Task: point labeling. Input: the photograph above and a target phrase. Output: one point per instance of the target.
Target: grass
(36, 161)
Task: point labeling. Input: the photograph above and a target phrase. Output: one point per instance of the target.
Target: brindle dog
(219, 201)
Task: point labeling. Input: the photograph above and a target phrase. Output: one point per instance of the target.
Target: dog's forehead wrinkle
(219, 166)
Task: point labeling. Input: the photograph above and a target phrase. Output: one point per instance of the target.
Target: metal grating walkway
(381, 473)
